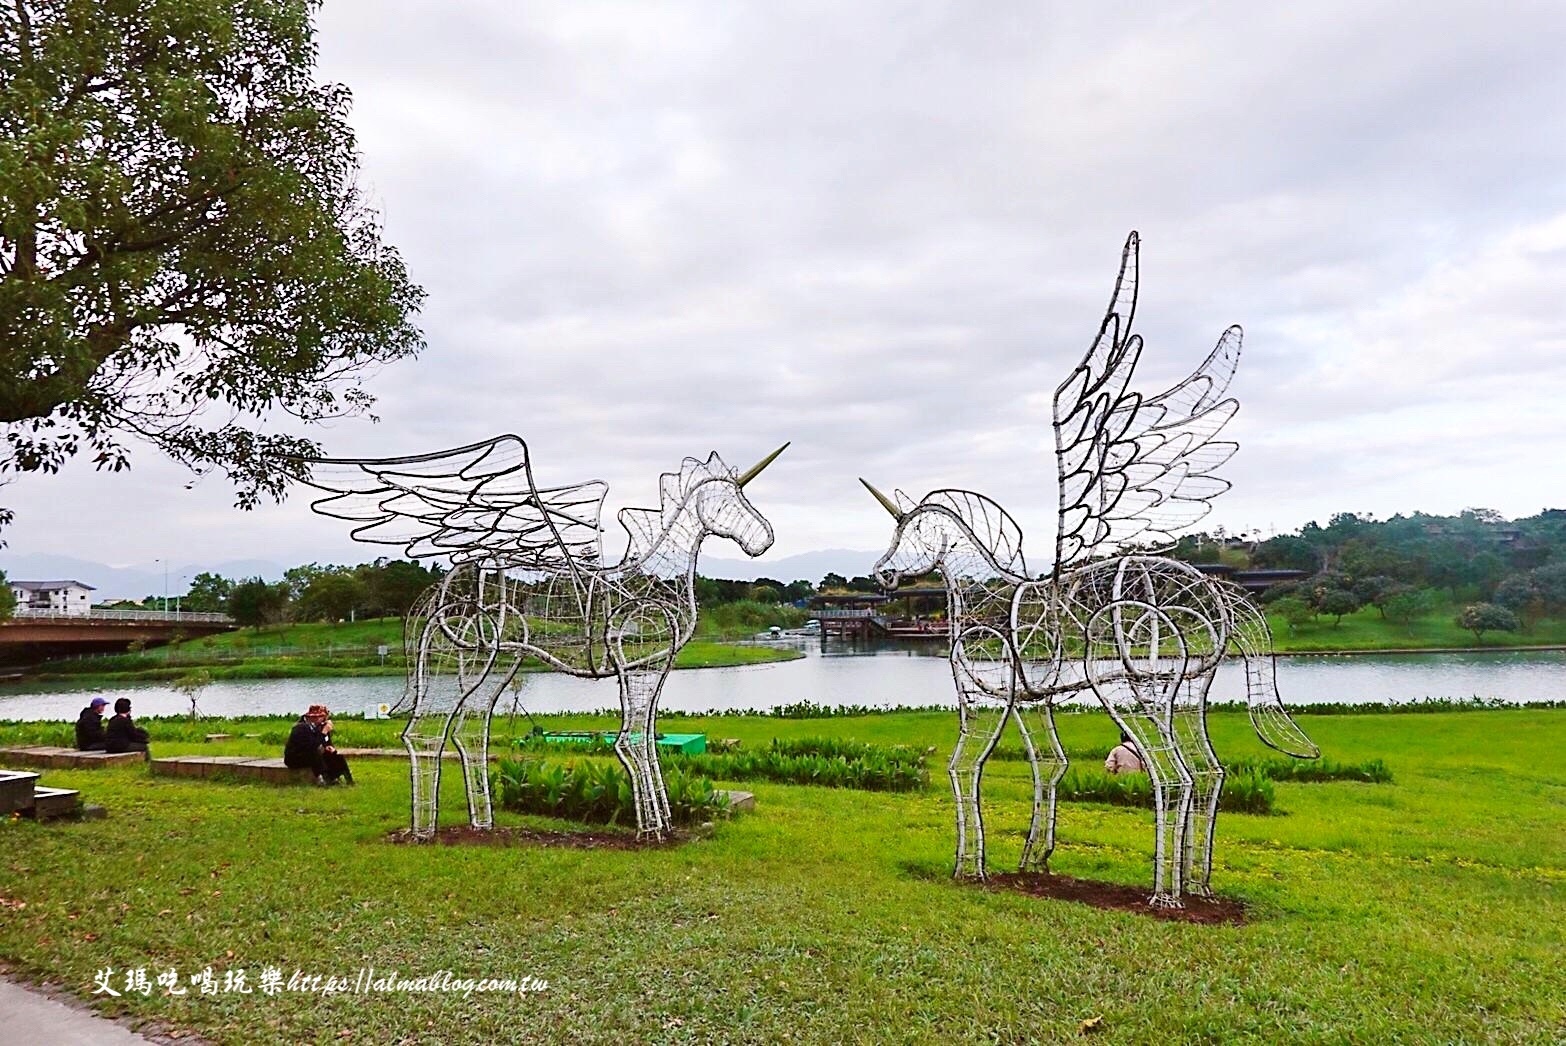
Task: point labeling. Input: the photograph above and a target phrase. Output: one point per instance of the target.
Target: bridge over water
(33, 635)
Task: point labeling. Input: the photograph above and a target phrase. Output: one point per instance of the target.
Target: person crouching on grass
(310, 748)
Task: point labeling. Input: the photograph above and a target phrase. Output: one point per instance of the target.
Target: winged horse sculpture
(529, 580)
(1142, 632)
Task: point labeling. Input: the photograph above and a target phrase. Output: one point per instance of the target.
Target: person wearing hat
(310, 747)
(89, 727)
(122, 734)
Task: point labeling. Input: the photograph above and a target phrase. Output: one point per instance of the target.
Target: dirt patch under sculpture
(585, 839)
(1117, 897)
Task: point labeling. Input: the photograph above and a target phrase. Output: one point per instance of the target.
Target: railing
(161, 616)
(840, 615)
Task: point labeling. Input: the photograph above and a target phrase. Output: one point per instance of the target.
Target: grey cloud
(886, 231)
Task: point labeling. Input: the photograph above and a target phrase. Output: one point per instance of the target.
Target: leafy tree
(1282, 590)
(1524, 596)
(297, 579)
(798, 590)
(1336, 602)
(863, 584)
(832, 582)
(1480, 618)
(7, 599)
(183, 245)
(1371, 589)
(764, 592)
(393, 585)
(208, 594)
(1294, 610)
(255, 603)
(331, 596)
(1405, 603)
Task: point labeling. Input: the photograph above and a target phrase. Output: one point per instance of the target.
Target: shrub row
(597, 792)
(824, 762)
(1243, 792)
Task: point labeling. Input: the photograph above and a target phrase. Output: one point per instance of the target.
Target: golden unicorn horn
(755, 470)
(886, 502)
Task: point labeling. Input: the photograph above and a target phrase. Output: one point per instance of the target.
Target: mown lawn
(1428, 909)
(1366, 630)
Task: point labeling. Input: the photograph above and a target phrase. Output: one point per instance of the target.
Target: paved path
(33, 1017)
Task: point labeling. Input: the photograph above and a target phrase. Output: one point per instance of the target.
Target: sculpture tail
(1271, 721)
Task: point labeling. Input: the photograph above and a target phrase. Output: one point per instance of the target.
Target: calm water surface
(844, 675)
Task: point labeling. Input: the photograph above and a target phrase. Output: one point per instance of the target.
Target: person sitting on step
(89, 727)
(122, 734)
(310, 748)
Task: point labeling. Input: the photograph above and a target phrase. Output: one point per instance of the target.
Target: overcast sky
(886, 231)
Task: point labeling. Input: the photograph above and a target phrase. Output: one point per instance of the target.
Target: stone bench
(272, 770)
(739, 802)
(16, 791)
(20, 793)
(55, 758)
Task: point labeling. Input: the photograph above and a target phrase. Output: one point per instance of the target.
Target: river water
(838, 675)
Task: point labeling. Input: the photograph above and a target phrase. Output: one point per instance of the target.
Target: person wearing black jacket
(122, 734)
(310, 747)
(89, 727)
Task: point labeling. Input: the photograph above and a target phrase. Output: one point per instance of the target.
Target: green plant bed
(823, 762)
(597, 792)
(1244, 791)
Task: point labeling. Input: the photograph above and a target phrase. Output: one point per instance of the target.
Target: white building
(52, 597)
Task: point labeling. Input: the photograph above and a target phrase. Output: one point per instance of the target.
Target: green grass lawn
(1365, 630)
(1429, 909)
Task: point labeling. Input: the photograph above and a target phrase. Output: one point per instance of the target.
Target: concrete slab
(741, 801)
(272, 770)
(31, 1016)
(16, 791)
(52, 803)
(51, 757)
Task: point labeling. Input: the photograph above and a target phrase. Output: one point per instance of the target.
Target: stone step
(52, 757)
(16, 791)
(248, 766)
(52, 803)
(740, 802)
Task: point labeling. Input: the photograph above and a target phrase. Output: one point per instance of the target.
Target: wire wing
(478, 502)
(1133, 468)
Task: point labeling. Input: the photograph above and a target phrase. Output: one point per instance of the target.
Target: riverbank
(324, 664)
(809, 931)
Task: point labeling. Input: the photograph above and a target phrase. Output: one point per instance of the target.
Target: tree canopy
(184, 252)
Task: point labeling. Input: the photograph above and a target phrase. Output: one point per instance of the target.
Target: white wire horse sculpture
(1142, 632)
(529, 581)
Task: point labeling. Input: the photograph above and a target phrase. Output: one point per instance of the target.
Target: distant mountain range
(135, 582)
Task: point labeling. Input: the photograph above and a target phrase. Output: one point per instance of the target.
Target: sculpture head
(726, 512)
(919, 542)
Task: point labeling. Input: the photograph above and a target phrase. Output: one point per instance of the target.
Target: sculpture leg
(470, 736)
(1196, 751)
(1171, 782)
(644, 638)
(636, 752)
(447, 671)
(985, 694)
(980, 725)
(1049, 766)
